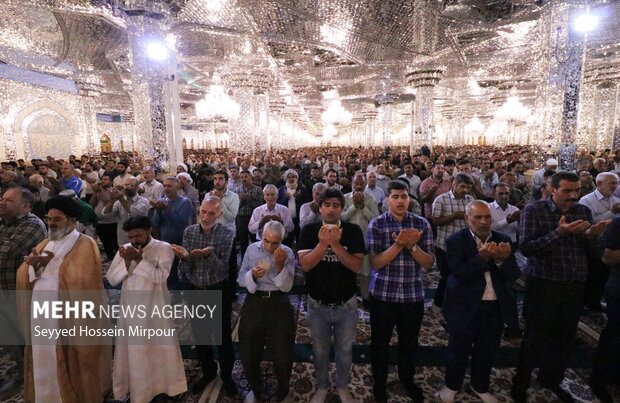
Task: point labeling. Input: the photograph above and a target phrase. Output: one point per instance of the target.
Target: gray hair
(270, 187)
(470, 206)
(274, 227)
(319, 187)
(212, 199)
(603, 175)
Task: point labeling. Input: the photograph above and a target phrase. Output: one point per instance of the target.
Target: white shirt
(489, 291)
(120, 180)
(152, 191)
(230, 208)
(262, 211)
(139, 206)
(599, 205)
(307, 216)
(414, 183)
(499, 220)
(152, 271)
(377, 193)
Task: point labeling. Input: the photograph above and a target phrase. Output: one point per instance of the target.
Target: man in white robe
(151, 369)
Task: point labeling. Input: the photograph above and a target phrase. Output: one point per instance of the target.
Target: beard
(57, 233)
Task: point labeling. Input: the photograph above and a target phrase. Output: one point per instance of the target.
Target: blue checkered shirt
(400, 280)
(551, 256)
(202, 271)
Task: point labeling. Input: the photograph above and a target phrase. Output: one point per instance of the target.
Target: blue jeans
(341, 322)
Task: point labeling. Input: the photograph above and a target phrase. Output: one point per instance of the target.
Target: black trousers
(480, 340)
(107, 235)
(607, 360)
(442, 265)
(553, 311)
(598, 273)
(384, 316)
(201, 333)
(267, 321)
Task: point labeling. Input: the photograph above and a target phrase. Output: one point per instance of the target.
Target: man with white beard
(66, 261)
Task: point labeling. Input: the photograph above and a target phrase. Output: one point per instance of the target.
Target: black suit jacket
(466, 282)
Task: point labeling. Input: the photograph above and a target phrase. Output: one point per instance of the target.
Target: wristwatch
(413, 248)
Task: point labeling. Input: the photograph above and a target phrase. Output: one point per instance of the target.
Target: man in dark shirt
(20, 232)
(250, 197)
(331, 254)
(608, 352)
(557, 236)
(316, 177)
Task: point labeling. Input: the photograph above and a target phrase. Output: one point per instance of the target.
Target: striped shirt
(447, 204)
(400, 281)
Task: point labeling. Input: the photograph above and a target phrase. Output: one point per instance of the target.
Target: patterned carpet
(429, 375)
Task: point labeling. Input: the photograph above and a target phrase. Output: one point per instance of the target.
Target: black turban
(65, 204)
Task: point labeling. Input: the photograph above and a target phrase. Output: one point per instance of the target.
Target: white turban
(186, 176)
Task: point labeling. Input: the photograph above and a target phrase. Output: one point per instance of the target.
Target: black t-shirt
(330, 281)
(611, 240)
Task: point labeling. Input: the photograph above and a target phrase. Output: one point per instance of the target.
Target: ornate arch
(42, 106)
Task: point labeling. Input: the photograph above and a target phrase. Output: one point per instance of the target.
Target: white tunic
(44, 362)
(144, 371)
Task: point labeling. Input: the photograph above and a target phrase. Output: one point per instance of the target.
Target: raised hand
(576, 227)
(504, 250)
(314, 206)
(358, 199)
(38, 260)
(598, 228)
(160, 205)
(486, 250)
(203, 252)
(324, 235)
(334, 235)
(512, 217)
(180, 251)
(115, 194)
(458, 215)
(280, 256)
(258, 271)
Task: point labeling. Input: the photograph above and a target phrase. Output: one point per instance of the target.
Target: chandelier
(474, 126)
(512, 110)
(217, 104)
(336, 114)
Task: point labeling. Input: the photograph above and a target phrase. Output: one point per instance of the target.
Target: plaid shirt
(446, 204)
(205, 271)
(551, 256)
(247, 206)
(400, 280)
(17, 238)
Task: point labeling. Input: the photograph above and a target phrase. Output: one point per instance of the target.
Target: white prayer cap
(186, 176)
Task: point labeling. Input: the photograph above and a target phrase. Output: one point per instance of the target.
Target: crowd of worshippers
(354, 221)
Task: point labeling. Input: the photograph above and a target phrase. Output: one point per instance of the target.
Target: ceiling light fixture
(586, 22)
(156, 51)
(336, 114)
(217, 104)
